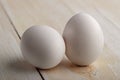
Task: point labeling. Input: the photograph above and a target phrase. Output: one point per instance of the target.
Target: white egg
(83, 38)
(42, 46)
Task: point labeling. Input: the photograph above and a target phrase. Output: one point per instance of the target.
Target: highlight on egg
(42, 46)
(83, 38)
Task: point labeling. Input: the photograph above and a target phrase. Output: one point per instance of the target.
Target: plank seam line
(13, 26)
(40, 73)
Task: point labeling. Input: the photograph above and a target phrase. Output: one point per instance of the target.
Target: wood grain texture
(56, 13)
(12, 64)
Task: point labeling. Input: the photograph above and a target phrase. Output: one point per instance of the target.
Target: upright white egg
(42, 46)
(83, 38)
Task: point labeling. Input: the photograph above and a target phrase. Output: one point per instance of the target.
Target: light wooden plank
(56, 13)
(12, 64)
(110, 11)
(38, 12)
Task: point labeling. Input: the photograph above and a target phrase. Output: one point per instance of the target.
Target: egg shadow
(67, 65)
(20, 65)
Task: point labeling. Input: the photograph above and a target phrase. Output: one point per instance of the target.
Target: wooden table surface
(17, 15)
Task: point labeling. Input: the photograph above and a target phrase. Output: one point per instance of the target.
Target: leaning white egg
(42, 46)
(83, 38)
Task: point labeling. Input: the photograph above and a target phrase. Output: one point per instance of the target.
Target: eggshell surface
(83, 38)
(42, 46)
